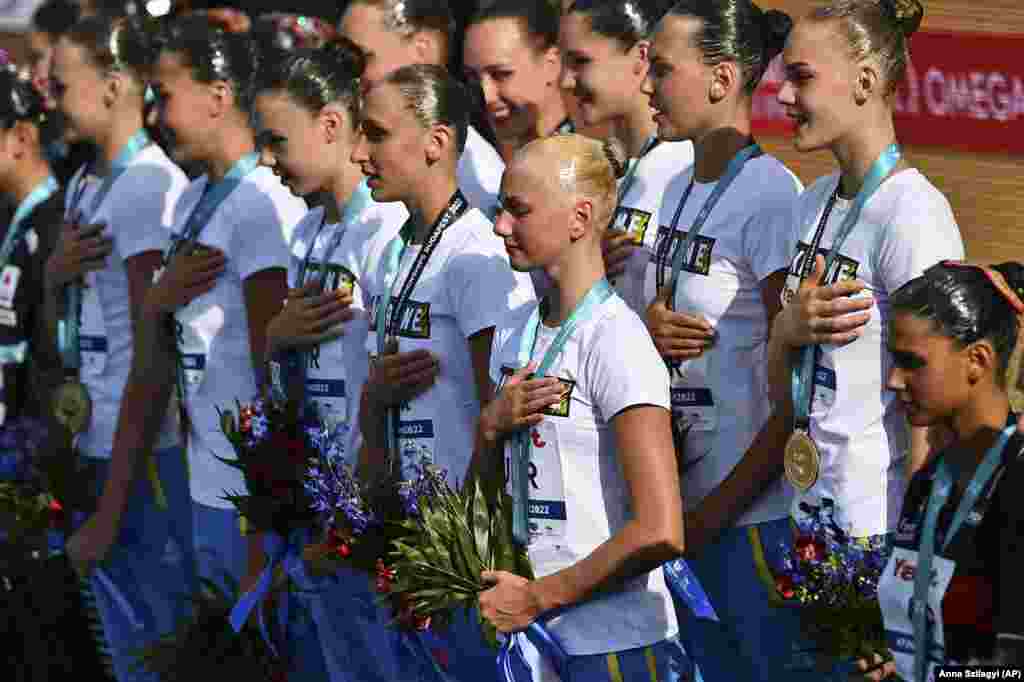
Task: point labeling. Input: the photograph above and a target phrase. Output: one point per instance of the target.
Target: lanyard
(295, 362)
(387, 326)
(683, 246)
(600, 292)
(354, 207)
(803, 372)
(213, 196)
(68, 328)
(38, 195)
(630, 177)
(136, 143)
(941, 489)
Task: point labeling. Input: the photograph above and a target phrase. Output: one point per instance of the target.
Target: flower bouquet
(273, 446)
(833, 579)
(453, 536)
(206, 647)
(359, 521)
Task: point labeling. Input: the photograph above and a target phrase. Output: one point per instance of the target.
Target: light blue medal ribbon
(941, 489)
(295, 362)
(732, 171)
(68, 328)
(15, 232)
(385, 325)
(803, 371)
(278, 550)
(634, 164)
(15, 353)
(600, 292)
(213, 197)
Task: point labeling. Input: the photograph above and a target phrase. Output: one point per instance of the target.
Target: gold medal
(72, 406)
(802, 460)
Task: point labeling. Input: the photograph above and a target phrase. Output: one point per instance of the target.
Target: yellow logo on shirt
(334, 276)
(562, 409)
(842, 269)
(633, 222)
(697, 261)
(414, 322)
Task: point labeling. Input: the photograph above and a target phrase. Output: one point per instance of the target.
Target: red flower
(344, 550)
(784, 585)
(810, 548)
(385, 576)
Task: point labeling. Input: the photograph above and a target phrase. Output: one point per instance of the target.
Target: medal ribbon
(803, 372)
(295, 362)
(732, 171)
(38, 195)
(941, 489)
(600, 292)
(68, 328)
(387, 326)
(213, 196)
(634, 164)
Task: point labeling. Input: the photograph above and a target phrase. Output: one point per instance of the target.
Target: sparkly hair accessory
(297, 31)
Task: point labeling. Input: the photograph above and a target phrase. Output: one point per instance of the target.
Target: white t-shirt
(466, 287)
(750, 234)
(138, 210)
(479, 173)
(637, 213)
(579, 495)
(252, 226)
(858, 425)
(337, 370)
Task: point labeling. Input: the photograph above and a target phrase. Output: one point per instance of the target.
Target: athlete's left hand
(510, 605)
(90, 544)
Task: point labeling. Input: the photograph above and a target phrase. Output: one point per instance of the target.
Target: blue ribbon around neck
(213, 196)
(294, 362)
(732, 171)
(941, 490)
(68, 328)
(600, 292)
(15, 232)
(803, 371)
(634, 164)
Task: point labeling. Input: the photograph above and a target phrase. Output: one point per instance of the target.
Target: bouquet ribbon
(278, 551)
(683, 583)
(512, 664)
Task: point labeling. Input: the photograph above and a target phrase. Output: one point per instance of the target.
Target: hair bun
(776, 26)
(907, 14)
(616, 155)
(344, 55)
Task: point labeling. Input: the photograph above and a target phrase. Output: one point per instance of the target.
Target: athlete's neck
(976, 426)
(572, 279)
(430, 201)
(234, 142)
(30, 175)
(634, 128)
(122, 128)
(859, 150)
(714, 150)
(344, 185)
(551, 116)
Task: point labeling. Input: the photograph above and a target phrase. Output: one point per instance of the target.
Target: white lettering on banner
(977, 95)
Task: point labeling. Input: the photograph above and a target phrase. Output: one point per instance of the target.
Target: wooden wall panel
(985, 190)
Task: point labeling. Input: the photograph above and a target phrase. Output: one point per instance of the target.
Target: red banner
(962, 90)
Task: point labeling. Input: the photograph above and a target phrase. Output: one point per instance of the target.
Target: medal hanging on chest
(802, 458)
(71, 403)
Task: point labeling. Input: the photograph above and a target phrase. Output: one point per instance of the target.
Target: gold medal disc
(802, 461)
(72, 406)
